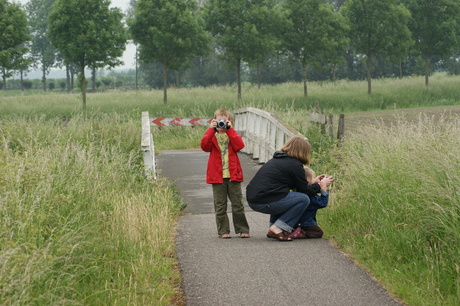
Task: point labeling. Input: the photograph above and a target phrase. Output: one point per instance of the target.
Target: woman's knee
(302, 198)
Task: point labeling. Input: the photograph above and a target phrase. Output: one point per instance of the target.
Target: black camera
(221, 124)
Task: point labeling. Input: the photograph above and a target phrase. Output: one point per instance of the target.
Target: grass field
(388, 118)
(396, 206)
(338, 97)
(80, 224)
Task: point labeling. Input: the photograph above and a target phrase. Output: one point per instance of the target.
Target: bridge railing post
(147, 147)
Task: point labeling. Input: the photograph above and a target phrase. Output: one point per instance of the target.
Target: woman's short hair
(298, 147)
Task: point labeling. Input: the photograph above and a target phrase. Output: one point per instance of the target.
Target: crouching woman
(269, 192)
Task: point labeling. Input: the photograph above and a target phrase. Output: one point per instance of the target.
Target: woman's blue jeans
(286, 212)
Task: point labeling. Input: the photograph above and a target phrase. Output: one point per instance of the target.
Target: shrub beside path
(259, 270)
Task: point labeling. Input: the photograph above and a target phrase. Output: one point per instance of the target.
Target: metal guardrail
(263, 132)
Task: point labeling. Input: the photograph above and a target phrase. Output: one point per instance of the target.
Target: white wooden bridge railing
(263, 133)
(147, 146)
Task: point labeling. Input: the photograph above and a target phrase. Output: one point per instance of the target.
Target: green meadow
(80, 223)
(334, 97)
(396, 207)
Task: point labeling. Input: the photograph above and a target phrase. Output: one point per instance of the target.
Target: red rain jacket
(235, 144)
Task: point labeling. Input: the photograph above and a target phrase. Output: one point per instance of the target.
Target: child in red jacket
(224, 172)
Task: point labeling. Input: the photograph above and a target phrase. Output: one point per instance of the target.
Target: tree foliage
(13, 36)
(43, 53)
(315, 34)
(435, 26)
(244, 30)
(87, 33)
(376, 26)
(257, 41)
(170, 32)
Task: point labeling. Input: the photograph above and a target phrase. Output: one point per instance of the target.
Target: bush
(107, 82)
(27, 84)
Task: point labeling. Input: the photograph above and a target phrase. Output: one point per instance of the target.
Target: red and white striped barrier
(180, 121)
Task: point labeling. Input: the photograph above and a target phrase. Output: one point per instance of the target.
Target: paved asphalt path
(258, 270)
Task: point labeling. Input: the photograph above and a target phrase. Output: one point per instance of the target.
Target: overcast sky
(130, 52)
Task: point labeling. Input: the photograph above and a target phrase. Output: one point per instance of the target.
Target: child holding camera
(308, 227)
(225, 173)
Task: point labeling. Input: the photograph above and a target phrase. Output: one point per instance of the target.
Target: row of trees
(13, 36)
(313, 33)
(239, 35)
(75, 34)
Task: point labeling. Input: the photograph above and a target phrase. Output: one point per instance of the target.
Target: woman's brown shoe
(281, 236)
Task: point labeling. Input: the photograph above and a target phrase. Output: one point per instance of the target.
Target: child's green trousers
(232, 190)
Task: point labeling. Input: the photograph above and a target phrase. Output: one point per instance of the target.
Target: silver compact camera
(221, 124)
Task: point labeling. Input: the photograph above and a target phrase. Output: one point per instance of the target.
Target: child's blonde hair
(309, 174)
(223, 112)
(298, 147)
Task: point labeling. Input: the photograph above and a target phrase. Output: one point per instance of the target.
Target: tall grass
(397, 207)
(79, 223)
(338, 97)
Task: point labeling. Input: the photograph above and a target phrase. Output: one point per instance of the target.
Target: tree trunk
(368, 66)
(93, 79)
(349, 59)
(44, 78)
(165, 84)
(22, 79)
(177, 79)
(427, 70)
(67, 76)
(304, 78)
(83, 85)
(258, 76)
(137, 82)
(334, 73)
(400, 69)
(238, 77)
